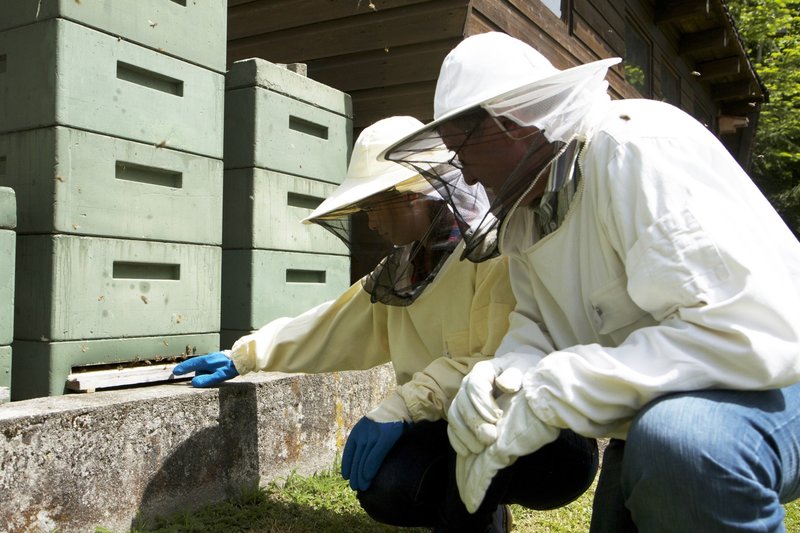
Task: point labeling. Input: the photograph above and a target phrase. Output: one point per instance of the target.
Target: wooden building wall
(386, 53)
(595, 29)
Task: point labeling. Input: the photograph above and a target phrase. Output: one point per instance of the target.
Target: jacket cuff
(392, 409)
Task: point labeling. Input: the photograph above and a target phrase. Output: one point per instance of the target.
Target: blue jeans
(415, 486)
(707, 461)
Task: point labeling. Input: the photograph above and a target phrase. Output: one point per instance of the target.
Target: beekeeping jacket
(670, 272)
(458, 320)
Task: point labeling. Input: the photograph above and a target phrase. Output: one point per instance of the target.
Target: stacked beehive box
(8, 221)
(111, 124)
(287, 144)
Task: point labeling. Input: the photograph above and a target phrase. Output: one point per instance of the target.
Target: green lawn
(325, 504)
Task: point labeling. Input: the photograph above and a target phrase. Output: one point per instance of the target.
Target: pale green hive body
(279, 120)
(62, 73)
(47, 364)
(8, 214)
(264, 209)
(75, 182)
(5, 373)
(95, 288)
(261, 285)
(193, 31)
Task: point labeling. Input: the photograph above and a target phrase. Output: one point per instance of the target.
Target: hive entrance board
(92, 378)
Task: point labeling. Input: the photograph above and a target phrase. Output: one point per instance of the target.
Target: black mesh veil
(418, 231)
(480, 211)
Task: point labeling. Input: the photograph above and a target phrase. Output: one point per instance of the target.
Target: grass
(325, 504)
(322, 503)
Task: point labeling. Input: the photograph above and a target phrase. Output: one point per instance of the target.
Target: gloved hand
(210, 370)
(371, 439)
(474, 412)
(519, 433)
(366, 448)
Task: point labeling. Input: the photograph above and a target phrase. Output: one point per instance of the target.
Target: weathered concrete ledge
(79, 461)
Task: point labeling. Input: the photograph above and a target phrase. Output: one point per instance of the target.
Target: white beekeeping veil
(495, 74)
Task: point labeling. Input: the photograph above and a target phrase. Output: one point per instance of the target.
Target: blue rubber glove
(210, 370)
(366, 447)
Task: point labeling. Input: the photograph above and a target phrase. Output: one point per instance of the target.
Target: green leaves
(771, 32)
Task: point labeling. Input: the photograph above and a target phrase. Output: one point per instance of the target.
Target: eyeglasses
(473, 136)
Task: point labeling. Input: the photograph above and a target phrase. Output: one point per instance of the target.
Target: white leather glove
(474, 412)
(519, 433)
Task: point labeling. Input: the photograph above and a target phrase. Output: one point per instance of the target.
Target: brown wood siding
(665, 50)
(387, 57)
(257, 17)
(601, 21)
(387, 53)
(533, 23)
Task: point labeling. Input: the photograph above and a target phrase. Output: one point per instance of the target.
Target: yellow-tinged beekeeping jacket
(458, 320)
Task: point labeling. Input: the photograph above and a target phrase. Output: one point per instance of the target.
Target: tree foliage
(770, 30)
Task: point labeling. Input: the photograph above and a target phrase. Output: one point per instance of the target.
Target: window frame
(633, 26)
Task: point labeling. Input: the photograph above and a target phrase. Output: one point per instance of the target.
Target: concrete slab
(262, 285)
(263, 209)
(193, 31)
(63, 73)
(41, 367)
(79, 461)
(70, 287)
(75, 182)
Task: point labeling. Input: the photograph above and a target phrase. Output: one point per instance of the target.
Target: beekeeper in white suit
(430, 314)
(657, 295)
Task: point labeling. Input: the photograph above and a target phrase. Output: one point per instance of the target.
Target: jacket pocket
(488, 326)
(456, 344)
(675, 263)
(613, 312)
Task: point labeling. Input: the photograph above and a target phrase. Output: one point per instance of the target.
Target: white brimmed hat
(367, 175)
(491, 67)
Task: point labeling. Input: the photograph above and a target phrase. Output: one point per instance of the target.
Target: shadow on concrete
(212, 464)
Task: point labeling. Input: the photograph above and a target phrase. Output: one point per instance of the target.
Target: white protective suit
(432, 343)
(671, 272)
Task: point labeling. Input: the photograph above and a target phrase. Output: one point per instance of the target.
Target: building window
(670, 86)
(638, 62)
(556, 6)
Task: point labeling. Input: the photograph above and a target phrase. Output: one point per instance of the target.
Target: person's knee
(696, 460)
(555, 475)
(666, 434)
(390, 498)
(378, 500)
(582, 461)
(372, 505)
(682, 440)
